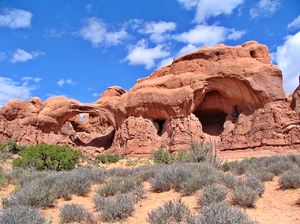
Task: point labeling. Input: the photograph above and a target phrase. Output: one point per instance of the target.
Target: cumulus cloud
(15, 18)
(264, 8)
(64, 82)
(165, 62)
(206, 9)
(10, 89)
(187, 48)
(158, 31)
(96, 32)
(21, 55)
(295, 23)
(208, 35)
(141, 54)
(287, 58)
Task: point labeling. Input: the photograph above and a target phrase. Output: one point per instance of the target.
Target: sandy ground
(275, 207)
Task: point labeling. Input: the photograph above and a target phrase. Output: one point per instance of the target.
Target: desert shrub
(116, 207)
(171, 176)
(280, 166)
(8, 148)
(238, 167)
(75, 213)
(119, 185)
(230, 181)
(3, 177)
(162, 156)
(145, 172)
(191, 185)
(170, 212)
(40, 189)
(34, 194)
(201, 153)
(211, 194)
(244, 196)
(108, 158)
(48, 157)
(198, 181)
(290, 179)
(21, 214)
(255, 184)
(221, 213)
(262, 174)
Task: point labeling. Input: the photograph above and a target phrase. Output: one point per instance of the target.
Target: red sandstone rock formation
(231, 95)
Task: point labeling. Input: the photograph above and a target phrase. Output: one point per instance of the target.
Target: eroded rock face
(232, 96)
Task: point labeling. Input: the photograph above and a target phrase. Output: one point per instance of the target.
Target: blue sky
(79, 48)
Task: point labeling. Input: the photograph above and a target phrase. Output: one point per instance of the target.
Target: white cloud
(2, 56)
(206, 9)
(141, 54)
(287, 58)
(295, 23)
(95, 94)
(21, 55)
(10, 89)
(29, 79)
(165, 62)
(208, 35)
(53, 33)
(187, 48)
(96, 32)
(158, 31)
(15, 18)
(63, 82)
(264, 8)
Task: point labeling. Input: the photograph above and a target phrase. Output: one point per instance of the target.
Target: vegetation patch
(75, 213)
(220, 213)
(170, 212)
(113, 208)
(21, 214)
(290, 179)
(48, 157)
(108, 158)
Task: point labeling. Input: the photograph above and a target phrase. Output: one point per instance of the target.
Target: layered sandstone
(232, 96)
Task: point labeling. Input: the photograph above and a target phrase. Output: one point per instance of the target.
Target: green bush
(163, 156)
(108, 158)
(220, 213)
(290, 179)
(211, 194)
(48, 157)
(170, 212)
(75, 213)
(21, 214)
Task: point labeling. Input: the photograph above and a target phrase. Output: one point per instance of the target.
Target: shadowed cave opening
(212, 112)
(160, 124)
(212, 121)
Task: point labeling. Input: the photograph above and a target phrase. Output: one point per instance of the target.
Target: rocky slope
(231, 95)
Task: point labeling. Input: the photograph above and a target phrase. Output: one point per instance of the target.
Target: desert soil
(276, 206)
